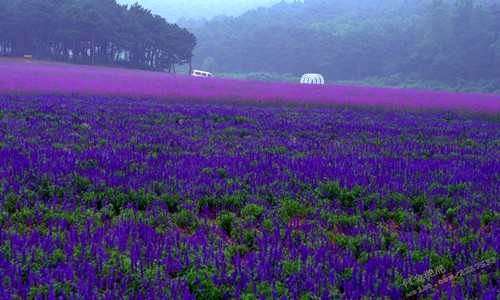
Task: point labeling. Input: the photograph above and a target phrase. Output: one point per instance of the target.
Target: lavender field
(133, 185)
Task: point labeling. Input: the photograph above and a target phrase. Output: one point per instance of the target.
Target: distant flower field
(65, 78)
(118, 185)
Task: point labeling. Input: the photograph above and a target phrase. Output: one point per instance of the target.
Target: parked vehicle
(201, 73)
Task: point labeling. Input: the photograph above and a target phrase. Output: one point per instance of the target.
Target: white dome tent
(312, 78)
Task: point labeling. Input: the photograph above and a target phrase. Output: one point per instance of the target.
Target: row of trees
(93, 31)
(438, 40)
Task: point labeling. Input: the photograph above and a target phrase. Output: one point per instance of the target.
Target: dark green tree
(93, 31)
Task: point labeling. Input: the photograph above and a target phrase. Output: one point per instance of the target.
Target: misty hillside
(393, 43)
(173, 10)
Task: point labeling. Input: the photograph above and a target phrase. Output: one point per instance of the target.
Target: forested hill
(92, 31)
(455, 44)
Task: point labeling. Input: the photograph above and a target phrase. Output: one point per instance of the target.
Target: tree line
(452, 42)
(93, 32)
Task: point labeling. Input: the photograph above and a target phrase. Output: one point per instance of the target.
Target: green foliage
(291, 267)
(444, 202)
(226, 222)
(252, 212)
(445, 260)
(426, 223)
(467, 239)
(401, 248)
(144, 199)
(348, 242)
(347, 273)
(384, 214)
(234, 200)
(210, 201)
(489, 217)
(489, 255)
(57, 146)
(38, 291)
(418, 255)
(268, 225)
(186, 219)
(81, 183)
(271, 199)
(291, 208)
(200, 283)
(241, 120)
(467, 143)
(418, 203)
(331, 191)
(172, 202)
(89, 164)
(344, 220)
(231, 251)
(249, 237)
(276, 150)
(10, 202)
(222, 172)
(103, 142)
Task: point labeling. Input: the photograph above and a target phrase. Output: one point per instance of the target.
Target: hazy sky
(173, 10)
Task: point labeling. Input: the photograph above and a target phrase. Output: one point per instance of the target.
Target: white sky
(173, 10)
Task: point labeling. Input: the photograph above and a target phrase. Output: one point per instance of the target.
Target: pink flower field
(46, 77)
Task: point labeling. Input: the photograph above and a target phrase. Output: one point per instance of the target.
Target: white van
(201, 73)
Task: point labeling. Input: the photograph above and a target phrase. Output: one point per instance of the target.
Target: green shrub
(252, 212)
(185, 218)
(234, 201)
(290, 208)
(200, 283)
(226, 222)
(332, 190)
(10, 202)
(210, 201)
(172, 202)
(249, 237)
(419, 202)
(144, 199)
(445, 260)
(81, 183)
(348, 242)
(231, 251)
(268, 225)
